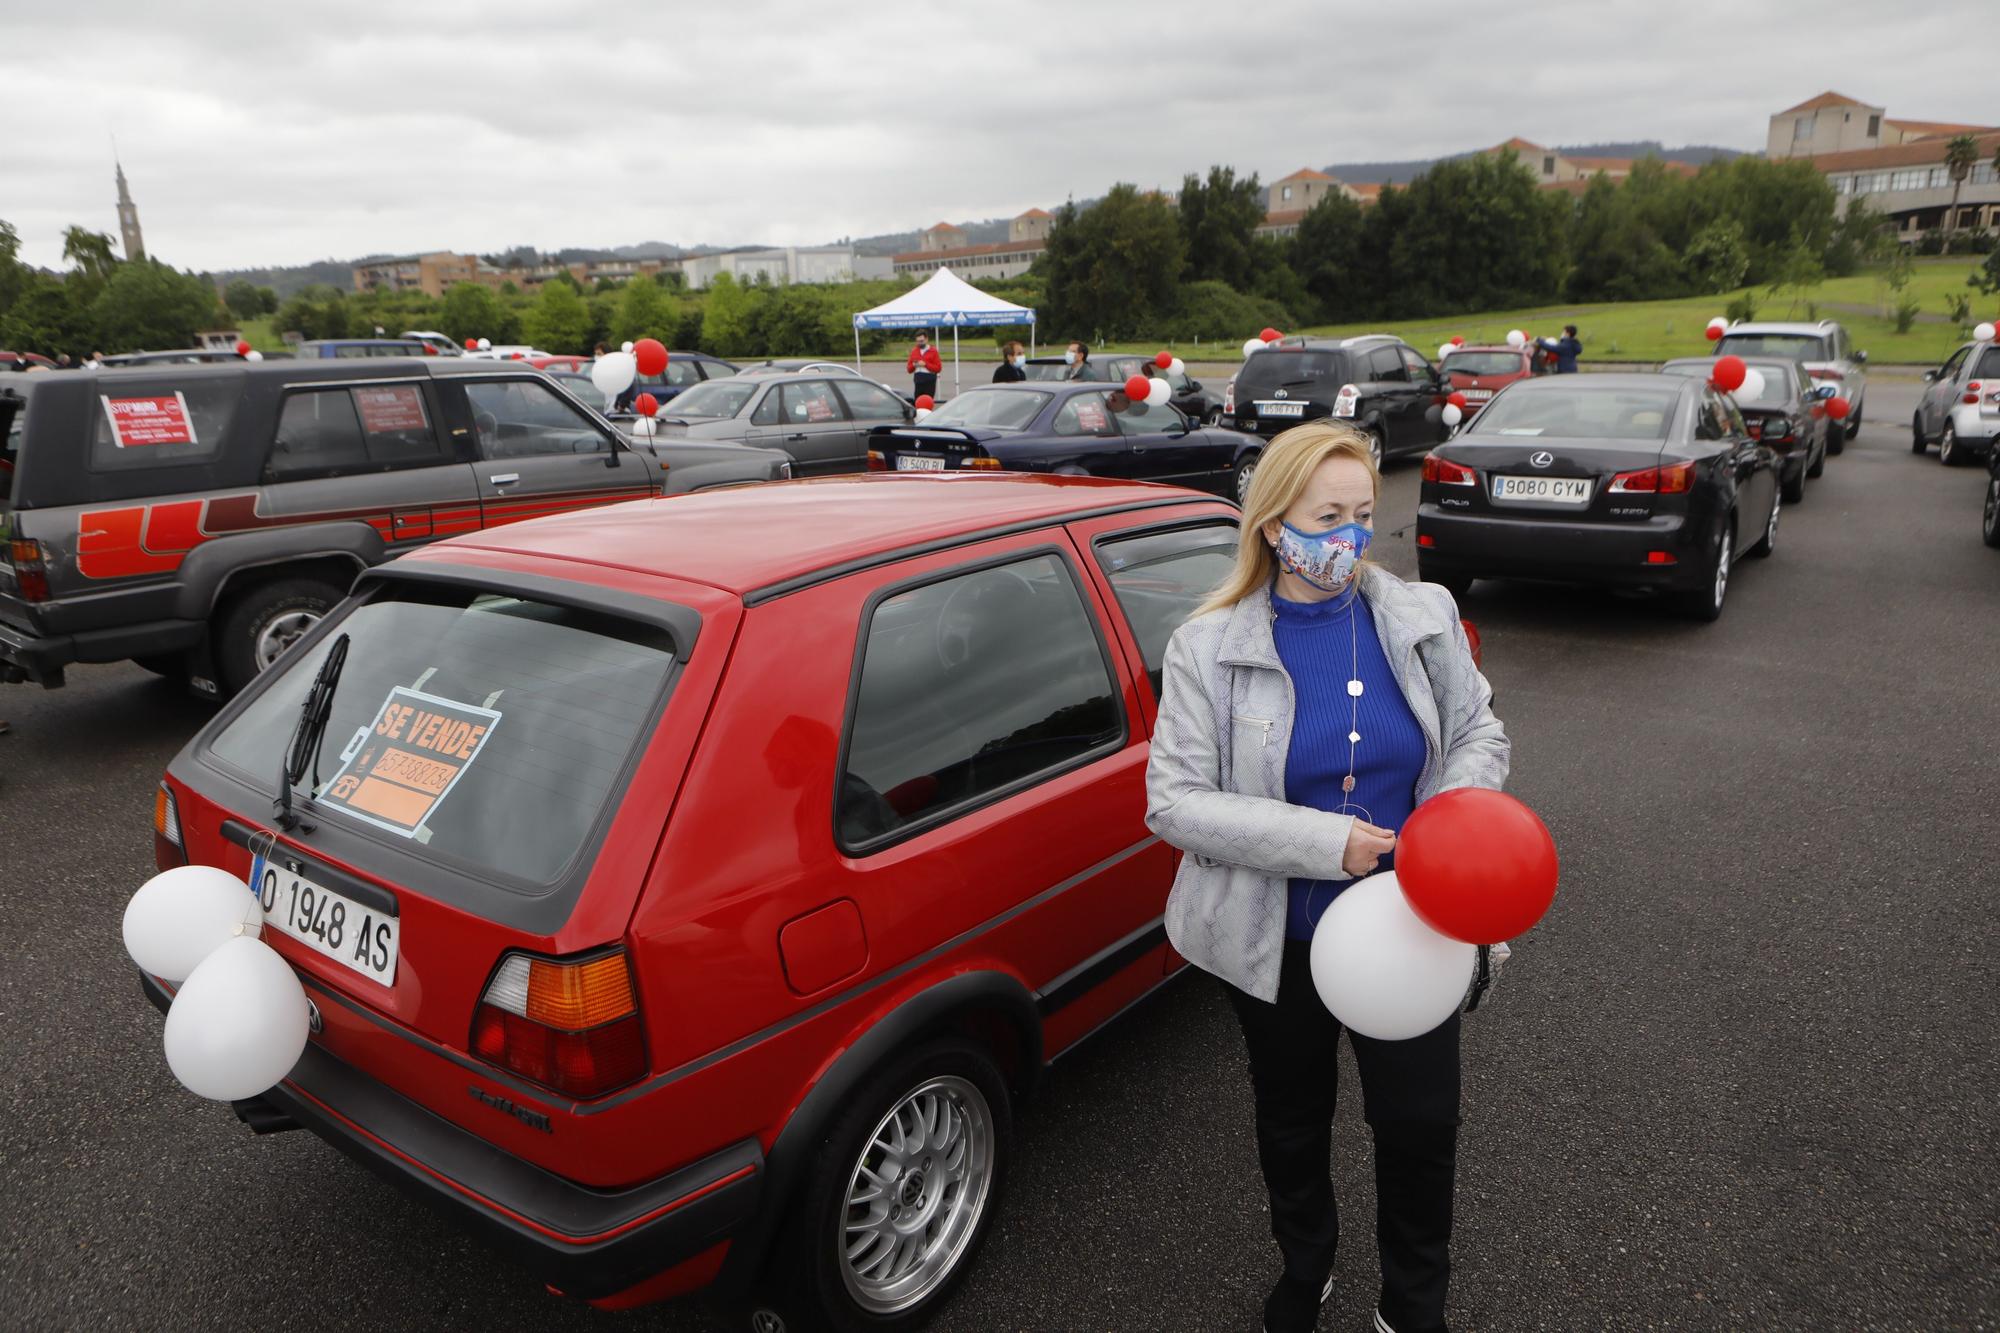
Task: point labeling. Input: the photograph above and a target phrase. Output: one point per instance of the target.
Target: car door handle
(794, 438)
(504, 478)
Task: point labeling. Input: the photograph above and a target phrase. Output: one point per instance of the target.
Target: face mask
(1069, 358)
(1324, 559)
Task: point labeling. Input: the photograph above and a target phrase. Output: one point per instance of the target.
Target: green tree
(14, 275)
(472, 310)
(1987, 277)
(1717, 258)
(642, 311)
(267, 300)
(559, 321)
(42, 317)
(1326, 254)
(320, 311)
(1219, 219)
(726, 317)
(243, 299)
(91, 253)
(1960, 154)
(1474, 234)
(1113, 270)
(146, 304)
(1799, 270)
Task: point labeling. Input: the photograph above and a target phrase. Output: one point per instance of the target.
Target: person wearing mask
(923, 365)
(1565, 349)
(1077, 361)
(1309, 706)
(1013, 365)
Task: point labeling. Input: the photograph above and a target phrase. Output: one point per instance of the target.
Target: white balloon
(238, 1024)
(1452, 416)
(645, 426)
(181, 916)
(1718, 323)
(485, 344)
(1158, 391)
(1753, 384)
(1516, 338)
(1380, 969)
(922, 412)
(253, 355)
(1177, 367)
(1445, 350)
(1253, 345)
(625, 347)
(614, 372)
(1984, 333)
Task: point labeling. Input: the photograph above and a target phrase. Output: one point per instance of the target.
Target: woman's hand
(1366, 845)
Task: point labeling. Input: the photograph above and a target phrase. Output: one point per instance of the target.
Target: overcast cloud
(262, 134)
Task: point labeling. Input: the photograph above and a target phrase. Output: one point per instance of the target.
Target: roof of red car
(750, 537)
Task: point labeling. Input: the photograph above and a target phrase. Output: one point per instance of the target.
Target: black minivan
(1377, 382)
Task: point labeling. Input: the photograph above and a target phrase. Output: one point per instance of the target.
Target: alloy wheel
(1771, 525)
(1722, 568)
(1246, 472)
(280, 632)
(1991, 526)
(1948, 446)
(1375, 448)
(916, 1197)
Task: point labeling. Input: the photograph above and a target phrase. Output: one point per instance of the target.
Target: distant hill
(289, 282)
(1402, 173)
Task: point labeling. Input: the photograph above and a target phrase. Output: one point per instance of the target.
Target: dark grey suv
(199, 518)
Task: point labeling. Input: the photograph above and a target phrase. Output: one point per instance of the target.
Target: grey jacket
(1215, 785)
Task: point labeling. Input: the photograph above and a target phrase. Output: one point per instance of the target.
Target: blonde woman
(1308, 708)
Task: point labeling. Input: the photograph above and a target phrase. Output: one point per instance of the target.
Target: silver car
(1825, 347)
(1960, 409)
(819, 421)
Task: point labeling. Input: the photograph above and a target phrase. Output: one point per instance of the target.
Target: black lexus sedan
(1639, 482)
(1078, 428)
(1788, 412)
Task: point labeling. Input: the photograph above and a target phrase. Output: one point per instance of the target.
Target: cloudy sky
(259, 134)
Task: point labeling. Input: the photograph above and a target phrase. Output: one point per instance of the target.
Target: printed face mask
(1324, 559)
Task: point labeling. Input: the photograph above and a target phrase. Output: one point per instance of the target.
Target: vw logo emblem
(1541, 458)
(313, 1020)
(1281, 394)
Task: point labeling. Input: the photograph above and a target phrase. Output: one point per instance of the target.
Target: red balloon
(1476, 865)
(1728, 373)
(1163, 360)
(1270, 335)
(1135, 388)
(1457, 340)
(1838, 408)
(646, 405)
(1457, 400)
(1714, 334)
(651, 356)
(472, 344)
(430, 350)
(926, 402)
(242, 346)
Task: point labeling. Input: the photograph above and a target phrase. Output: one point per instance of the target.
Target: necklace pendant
(1354, 689)
(1354, 738)
(1347, 783)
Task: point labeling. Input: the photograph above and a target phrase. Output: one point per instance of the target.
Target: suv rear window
(563, 695)
(144, 422)
(1787, 346)
(1315, 372)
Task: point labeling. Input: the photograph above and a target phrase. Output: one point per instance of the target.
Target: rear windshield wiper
(303, 749)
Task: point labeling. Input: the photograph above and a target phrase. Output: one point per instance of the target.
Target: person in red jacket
(923, 364)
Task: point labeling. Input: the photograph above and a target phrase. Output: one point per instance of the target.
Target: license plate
(1550, 490)
(357, 937)
(1477, 394)
(914, 463)
(1281, 409)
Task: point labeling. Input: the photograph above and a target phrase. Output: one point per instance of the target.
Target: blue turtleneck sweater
(1319, 644)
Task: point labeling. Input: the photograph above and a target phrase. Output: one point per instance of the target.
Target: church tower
(128, 219)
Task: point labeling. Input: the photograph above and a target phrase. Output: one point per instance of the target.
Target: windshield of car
(1791, 346)
(1291, 370)
(1483, 363)
(1002, 409)
(1048, 370)
(470, 727)
(1568, 412)
(717, 398)
(1776, 390)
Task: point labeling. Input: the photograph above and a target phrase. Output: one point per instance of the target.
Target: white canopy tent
(945, 300)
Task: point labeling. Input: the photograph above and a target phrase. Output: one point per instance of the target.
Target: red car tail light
(1447, 473)
(1661, 558)
(982, 464)
(876, 462)
(31, 573)
(1756, 428)
(1673, 479)
(168, 850)
(1826, 373)
(1971, 397)
(570, 1025)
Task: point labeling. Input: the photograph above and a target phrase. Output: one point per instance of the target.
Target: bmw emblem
(1541, 458)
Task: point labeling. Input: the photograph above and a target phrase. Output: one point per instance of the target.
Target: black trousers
(923, 382)
(1409, 1093)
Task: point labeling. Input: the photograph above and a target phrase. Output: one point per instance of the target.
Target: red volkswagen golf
(688, 891)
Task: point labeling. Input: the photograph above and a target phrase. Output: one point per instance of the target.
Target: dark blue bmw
(1079, 429)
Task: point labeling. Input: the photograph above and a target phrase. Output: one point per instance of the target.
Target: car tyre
(950, 1088)
(1853, 424)
(1917, 440)
(1246, 472)
(1990, 526)
(1948, 451)
(1767, 541)
(1819, 461)
(265, 620)
(1375, 450)
(1705, 602)
(1792, 489)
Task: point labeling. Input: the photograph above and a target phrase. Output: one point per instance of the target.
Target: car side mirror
(1861, 358)
(1930, 375)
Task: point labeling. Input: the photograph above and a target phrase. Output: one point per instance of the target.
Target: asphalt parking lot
(1744, 1075)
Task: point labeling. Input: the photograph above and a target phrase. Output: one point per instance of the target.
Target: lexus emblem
(1281, 394)
(1541, 458)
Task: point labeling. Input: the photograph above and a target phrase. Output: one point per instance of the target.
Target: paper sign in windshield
(391, 410)
(412, 755)
(155, 419)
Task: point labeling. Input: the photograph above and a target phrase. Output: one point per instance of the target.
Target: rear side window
(871, 402)
(521, 718)
(1084, 414)
(339, 432)
(144, 423)
(811, 403)
(969, 687)
(1161, 577)
(1386, 364)
(714, 370)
